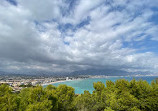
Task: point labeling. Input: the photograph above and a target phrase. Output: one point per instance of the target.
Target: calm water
(87, 84)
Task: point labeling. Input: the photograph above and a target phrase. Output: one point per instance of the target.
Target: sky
(64, 36)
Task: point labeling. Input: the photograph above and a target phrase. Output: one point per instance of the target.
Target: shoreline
(44, 84)
(93, 77)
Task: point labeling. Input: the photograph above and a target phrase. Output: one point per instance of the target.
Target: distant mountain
(108, 72)
(2, 73)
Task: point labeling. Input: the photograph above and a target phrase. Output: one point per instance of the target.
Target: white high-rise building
(67, 78)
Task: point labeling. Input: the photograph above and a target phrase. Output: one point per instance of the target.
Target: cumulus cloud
(62, 36)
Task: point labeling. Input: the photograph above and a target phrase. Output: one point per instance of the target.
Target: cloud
(42, 10)
(64, 36)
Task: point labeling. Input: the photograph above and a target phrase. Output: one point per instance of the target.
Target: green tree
(99, 96)
(108, 109)
(50, 90)
(65, 96)
(34, 99)
(8, 99)
(84, 102)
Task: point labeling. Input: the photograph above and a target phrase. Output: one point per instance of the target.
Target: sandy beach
(59, 82)
(54, 82)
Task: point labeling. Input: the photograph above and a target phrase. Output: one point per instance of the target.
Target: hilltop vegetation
(119, 96)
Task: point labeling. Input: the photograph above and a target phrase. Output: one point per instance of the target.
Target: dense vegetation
(119, 96)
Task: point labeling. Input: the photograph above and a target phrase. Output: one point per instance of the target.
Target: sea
(81, 85)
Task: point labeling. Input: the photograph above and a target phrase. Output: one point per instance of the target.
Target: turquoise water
(87, 84)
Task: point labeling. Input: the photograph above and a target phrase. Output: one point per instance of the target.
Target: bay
(87, 84)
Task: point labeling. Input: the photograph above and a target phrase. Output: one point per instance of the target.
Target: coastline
(98, 76)
(45, 84)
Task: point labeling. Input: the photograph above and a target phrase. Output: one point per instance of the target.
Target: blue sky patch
(13, 2)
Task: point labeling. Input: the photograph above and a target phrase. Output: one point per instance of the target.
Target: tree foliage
(121, 95)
